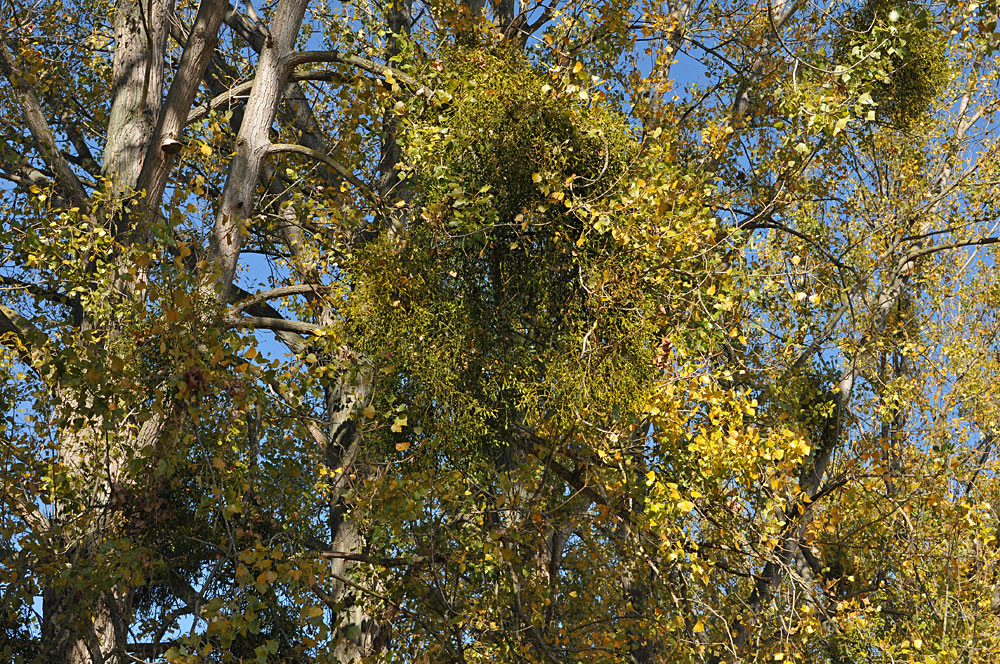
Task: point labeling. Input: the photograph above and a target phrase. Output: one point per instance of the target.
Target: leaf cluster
(904, 50)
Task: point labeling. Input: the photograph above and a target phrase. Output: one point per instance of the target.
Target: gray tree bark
(137, 87)
(252, 145)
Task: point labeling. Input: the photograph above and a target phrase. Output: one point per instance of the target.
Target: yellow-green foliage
(898, 39)
(508, 137)
(484, 296)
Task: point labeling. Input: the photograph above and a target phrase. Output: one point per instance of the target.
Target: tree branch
(336, 166)
(252, 143)
(955, 245)
(305, 57)
(35, 118)
(261, 309)
(48, 294)
(381, 562)
(243, 89)
(27, 336)
(277, 324)
(275, 293)
(194, 60)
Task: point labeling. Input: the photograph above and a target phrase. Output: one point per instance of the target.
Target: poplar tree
(465, 331)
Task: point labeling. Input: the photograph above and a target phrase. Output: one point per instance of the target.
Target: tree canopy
(568, 331)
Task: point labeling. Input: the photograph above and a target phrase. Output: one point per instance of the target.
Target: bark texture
(253, 143)
(137, 87)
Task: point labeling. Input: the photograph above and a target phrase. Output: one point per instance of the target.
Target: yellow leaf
(369, 411)
(398, 424)
(711, 290)
(685, 506)
(699, 627)
(536, 178)
(402, 447)
(206, 149)
(578, 67)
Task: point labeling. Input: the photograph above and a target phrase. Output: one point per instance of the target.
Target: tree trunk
(137, 87)
(82, 624)
(78, 628)
(399, 19)
(252, 144)
(360, 632)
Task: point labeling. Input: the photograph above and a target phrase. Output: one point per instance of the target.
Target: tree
(498, 332)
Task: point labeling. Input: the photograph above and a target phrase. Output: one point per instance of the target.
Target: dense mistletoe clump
(508, 137)
(485, 293)
(905, 52)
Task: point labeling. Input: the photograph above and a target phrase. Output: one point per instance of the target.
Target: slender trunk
(361, 633)
(398, 20)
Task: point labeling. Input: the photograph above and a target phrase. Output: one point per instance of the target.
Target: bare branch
(304, 57)
(282, 324)
(275, 293)
(262, 309)
(243, 89)
(336, 166)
